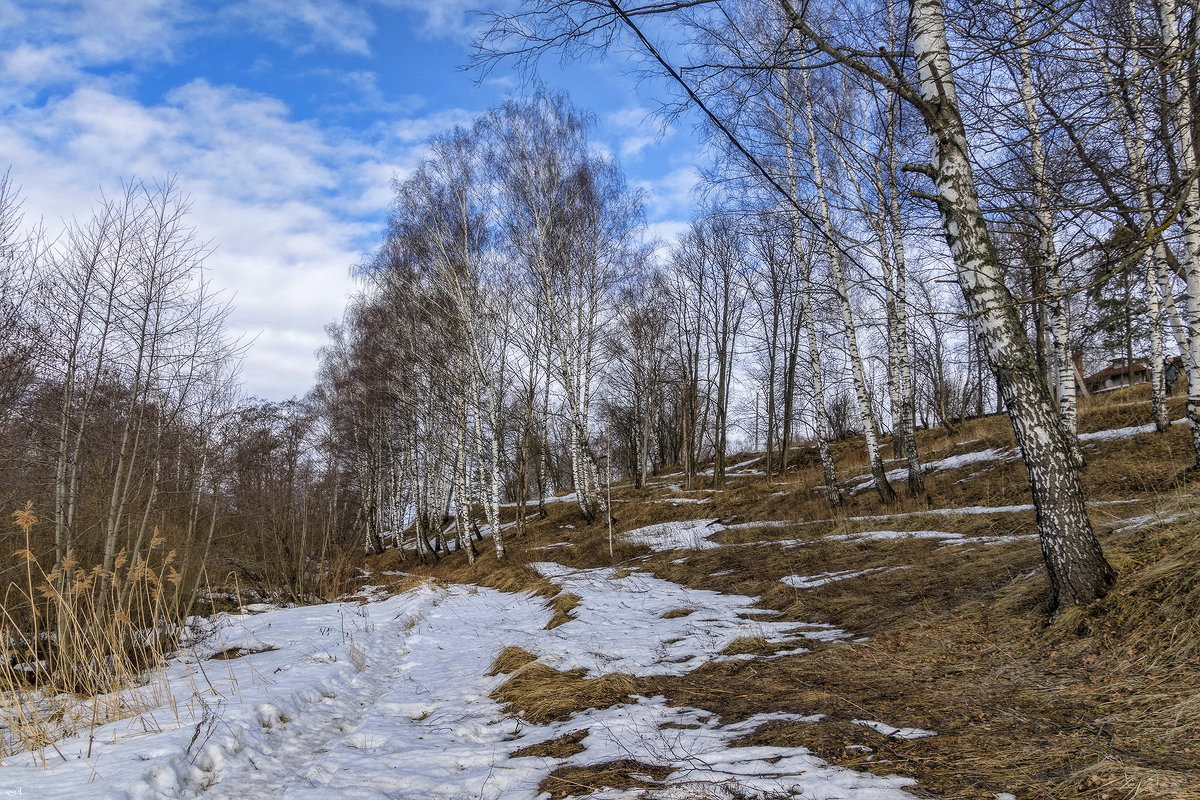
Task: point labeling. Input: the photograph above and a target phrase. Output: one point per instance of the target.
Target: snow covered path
(412, 723)
(390, 700)
(383, 700)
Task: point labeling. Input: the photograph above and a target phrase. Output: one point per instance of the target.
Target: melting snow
(697, 749)
(999, 454)
(1146, 521)
(618, 625)
(820, 579)
(690, 534)
(895, 733)
(950, 462)
(1122, 433)
(391, 699)
(863, 536)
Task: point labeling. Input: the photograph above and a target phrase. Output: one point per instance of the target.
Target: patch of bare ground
(676, 613)
(1101, 705)
(540, 693)
(619, 775)
(564, 746)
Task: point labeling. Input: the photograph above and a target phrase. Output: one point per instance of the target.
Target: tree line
(122, 427)
(914, 213)
(1043, 158)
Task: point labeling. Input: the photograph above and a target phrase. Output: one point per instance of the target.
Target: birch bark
(1049, 264)
(1076, 565)
(1182, 128)
(842, 291)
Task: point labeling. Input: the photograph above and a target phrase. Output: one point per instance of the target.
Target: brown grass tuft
(562, 604)
(510, 660)
(619, 775)
(544, 694)
(564, 746)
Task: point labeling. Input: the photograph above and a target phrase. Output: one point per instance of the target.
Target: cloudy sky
(284, 120)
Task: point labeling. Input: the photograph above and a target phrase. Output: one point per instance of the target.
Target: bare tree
(926, 82)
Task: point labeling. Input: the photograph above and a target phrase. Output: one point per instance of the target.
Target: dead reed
(83, 645)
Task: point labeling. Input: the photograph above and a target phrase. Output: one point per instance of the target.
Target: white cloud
(358, 91)
(59, 40)
(348, 26)
(289, 208)
(636, 128)
(419, 129)
(27, 64)
(632, 146)
(671, 196)
(305, 25)
(452, 19)
(630, 118)
(666, 232)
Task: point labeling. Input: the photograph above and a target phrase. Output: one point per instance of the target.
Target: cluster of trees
(120, 421)
(916, 211)
(1054, 146)
(482, 330)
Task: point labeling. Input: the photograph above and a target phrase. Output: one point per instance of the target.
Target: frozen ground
(991, 456)
(690, 534)
(391, 700)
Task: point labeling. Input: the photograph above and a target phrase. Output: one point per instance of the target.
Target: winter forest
(943, 269)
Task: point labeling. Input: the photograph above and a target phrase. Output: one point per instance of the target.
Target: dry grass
(540, 693)
(511, 659)
(562, 604)
(83, 646)
(619, 775)
(1101, 705)
(230, 653)
(564, 746)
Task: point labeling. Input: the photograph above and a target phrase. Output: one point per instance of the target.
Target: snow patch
(618, 625)
(864, 536)
(690, 534)
(1122, 433)
(822, 578)
(1146, 521)
(391, 699)
(892, 732)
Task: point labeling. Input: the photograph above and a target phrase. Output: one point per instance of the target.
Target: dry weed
(82, 645)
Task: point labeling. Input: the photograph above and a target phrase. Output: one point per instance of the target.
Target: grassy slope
(1103, 704)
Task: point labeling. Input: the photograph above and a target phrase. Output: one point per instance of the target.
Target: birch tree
(572, 224)
(1075, 564)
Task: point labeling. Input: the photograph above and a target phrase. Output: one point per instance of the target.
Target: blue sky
(285, 121)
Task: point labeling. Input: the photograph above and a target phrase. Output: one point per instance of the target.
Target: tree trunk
(1075, 563)
(842, 291)
(820, 413)
(1177, 57)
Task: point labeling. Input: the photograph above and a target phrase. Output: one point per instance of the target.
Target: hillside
(738, 641)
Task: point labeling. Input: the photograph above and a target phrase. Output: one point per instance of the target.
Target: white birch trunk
(1075, 564)
(1178, 56)
(1049, 263)
(462, 502)
(841, 289)
(820, 414)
